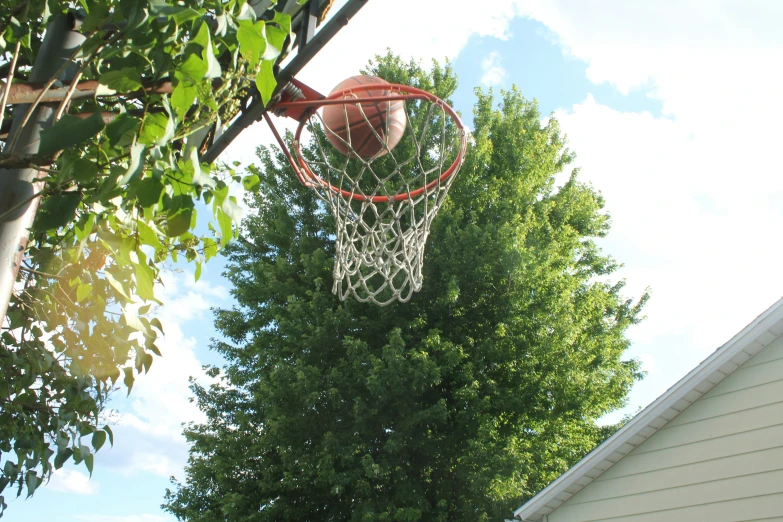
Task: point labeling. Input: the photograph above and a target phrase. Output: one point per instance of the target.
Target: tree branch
(25, 161)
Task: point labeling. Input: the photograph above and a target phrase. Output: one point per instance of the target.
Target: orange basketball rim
(300, 102)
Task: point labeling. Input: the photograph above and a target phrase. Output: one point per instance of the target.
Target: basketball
(367, 129)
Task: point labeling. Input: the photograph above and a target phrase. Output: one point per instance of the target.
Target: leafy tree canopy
(454, 406)
(119, 183)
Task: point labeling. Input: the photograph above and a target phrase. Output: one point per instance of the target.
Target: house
(709, 449)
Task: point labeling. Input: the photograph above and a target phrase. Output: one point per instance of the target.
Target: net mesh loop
(384, 205)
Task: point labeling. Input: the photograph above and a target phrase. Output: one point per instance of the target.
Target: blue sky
(673, 113)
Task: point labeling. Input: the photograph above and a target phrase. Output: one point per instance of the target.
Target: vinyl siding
(719, 460)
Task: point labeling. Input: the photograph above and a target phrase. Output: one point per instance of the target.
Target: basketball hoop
(383, 196)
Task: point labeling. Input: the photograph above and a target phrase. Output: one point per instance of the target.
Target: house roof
(751, 340)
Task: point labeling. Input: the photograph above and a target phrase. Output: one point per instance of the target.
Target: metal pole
(314, 43)
(19, 185)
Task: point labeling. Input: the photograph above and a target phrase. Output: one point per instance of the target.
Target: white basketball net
(380, 245)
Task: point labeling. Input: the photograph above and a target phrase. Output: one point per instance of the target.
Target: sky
(673, 110)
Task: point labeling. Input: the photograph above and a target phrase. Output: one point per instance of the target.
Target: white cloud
(649, 363)
(73, 482)
(710, 65)
(494, 73)
(636, 41)
(411, 28)
(683, 223)
(694, 196)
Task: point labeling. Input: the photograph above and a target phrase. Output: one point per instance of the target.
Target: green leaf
(62, 440)
(210, 248)
(82, 292)
(204, 39)
(117, 285)
(246, 12)
(98, 439)
(122, 130)
(57, 211)
(88, 462)
(63, 455)
(132, 319)
(231, 208)
(110, 434)
(156, 323)
(144, 280)
(96, 17)
(213, 66)
(148, 191)
(182, 98)
(135, 13)
(149, 344)
(170, 125)
(179, 216)
(226, 230)
(197, 274)
(251, 182)
(136, 164)
(265, 80)
(275, 38)
(199, 177)
(68, 132)
(222, 24)
(124, 81)
(252, 43)
(32, 480)
(202, 179)
(128, 380)
(179, 14)
(84, 227)
(147, 236)
(283, 20)
(77, 455)
(16, 32)
(192, 71)
(158, 129)
(146, 361)
(84, 170)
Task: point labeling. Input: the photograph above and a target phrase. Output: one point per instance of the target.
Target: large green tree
(454, 406)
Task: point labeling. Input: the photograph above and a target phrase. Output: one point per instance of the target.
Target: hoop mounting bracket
(294, 91)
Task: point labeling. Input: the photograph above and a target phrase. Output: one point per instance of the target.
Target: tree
(118, 178)
(454, 406)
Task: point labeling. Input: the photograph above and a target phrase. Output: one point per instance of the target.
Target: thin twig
(69, 94)
(75, 84)
(44, 274)
(8, 80)
(12, 69)
(19, 205)
(46, 88)
(50, 294)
